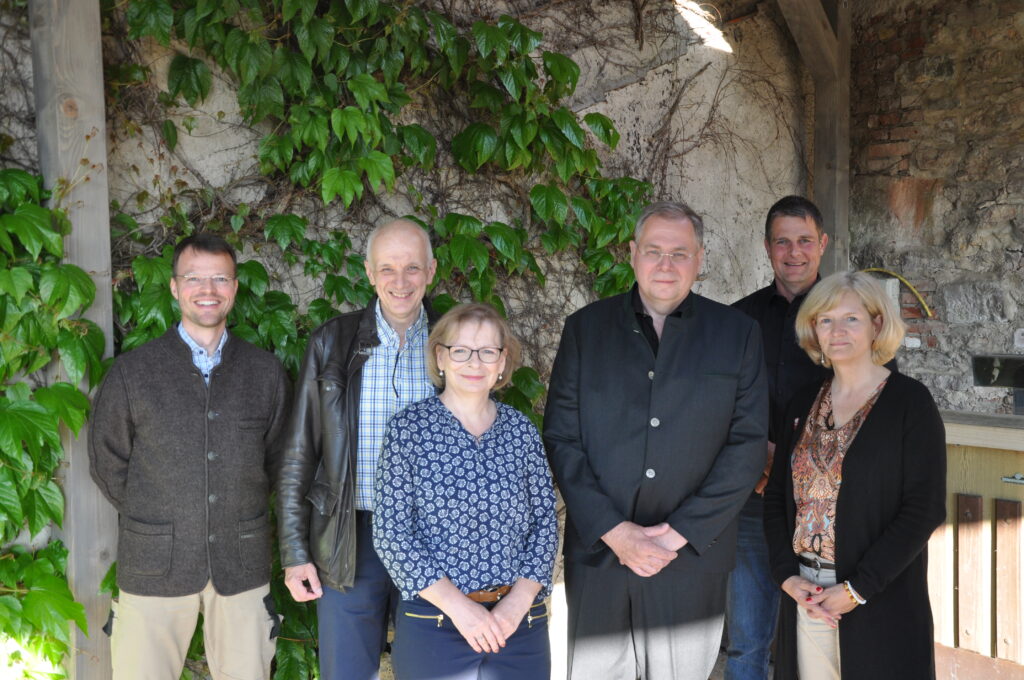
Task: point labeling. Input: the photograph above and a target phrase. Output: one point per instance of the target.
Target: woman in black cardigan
(854, 497)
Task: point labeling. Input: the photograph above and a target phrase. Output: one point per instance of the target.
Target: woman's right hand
(805, 592)
(477, 625)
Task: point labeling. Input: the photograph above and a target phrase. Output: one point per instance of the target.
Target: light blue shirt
(391, 380)
(202, 359)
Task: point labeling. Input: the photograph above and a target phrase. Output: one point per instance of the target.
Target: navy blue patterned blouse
(481, 512)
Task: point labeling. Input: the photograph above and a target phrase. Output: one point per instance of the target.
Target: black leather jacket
(316, 484)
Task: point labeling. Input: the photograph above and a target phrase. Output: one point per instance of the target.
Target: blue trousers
(354, 624)
(431, 648)
(752, 603)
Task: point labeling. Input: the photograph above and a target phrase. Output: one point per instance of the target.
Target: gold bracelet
(849, 593)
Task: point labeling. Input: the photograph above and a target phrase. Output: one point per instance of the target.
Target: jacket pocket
(145, 549)
(254, 543)
(323, 498)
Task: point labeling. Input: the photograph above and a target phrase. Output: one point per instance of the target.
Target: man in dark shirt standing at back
(795, 241)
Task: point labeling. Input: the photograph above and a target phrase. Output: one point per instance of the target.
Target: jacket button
(650, 375)
(655, 422)
(212, 498)
(211, 455)
(650, 473)
(211, 415)
(211, 538)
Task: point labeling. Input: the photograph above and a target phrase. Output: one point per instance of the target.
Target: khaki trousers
(151, 635)
(817, 644)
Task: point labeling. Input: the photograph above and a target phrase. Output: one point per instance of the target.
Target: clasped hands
(825, 604)
(645, 550)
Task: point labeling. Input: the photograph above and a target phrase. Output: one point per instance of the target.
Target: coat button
(211, 415)
(212, 498)
(655, 422)
(211, 455)
(650, 473)
(650, 375)
(211, 538)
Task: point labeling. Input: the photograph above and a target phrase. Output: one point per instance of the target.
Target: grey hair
(670, 210)
(387, 226)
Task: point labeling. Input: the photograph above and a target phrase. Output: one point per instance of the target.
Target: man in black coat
(656, 427)
(183, 442)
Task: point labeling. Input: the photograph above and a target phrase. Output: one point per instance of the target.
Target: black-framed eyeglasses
(460, 354)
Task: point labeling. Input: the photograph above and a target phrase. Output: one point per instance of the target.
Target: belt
(816, 563)
(492, 594)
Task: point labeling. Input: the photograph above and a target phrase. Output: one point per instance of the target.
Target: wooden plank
(68, 82)
(1008, 575)
(941, 592)
(959, 664)
(971, 592)
(826, 53)
(990, 431)
(817, 42)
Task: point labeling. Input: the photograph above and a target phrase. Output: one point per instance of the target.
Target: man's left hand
(665, 536)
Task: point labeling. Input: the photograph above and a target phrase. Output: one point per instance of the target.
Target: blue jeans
(752, 604)
(354, 624)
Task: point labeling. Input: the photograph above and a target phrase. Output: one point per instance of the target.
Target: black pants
(623, 626)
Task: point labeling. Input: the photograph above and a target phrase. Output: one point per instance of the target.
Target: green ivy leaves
(41, 299)
(190, 78)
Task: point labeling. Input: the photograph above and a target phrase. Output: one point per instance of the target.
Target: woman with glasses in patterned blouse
(465, 515)
(854, 496)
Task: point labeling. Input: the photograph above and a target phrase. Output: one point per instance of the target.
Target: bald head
(400, 228)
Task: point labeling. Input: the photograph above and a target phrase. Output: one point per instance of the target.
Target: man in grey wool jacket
(183, 442)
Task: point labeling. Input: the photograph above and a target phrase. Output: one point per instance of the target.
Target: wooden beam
(809, 25)
(1008, 574)
(824, 46)
(68, 82)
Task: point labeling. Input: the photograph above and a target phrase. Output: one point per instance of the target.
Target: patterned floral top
(818, 473)
(480, 511)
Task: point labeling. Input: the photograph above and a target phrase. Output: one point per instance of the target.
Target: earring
(441, 373)
(822, 358)
(500, 376)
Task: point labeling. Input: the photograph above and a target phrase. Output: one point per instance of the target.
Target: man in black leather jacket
(359, 369)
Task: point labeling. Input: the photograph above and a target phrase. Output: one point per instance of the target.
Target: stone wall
(937, 188)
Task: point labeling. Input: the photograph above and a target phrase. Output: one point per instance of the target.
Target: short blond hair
(447, 328)
(826, 295)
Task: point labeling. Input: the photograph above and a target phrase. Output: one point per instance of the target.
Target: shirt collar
(196, 347)
(638, 304)
(388, 335)
(796, 299)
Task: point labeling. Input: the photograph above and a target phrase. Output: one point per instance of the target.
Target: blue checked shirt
(392, 380)
(202, 359)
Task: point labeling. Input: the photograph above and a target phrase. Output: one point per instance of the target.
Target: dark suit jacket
(679, 437)
(893, 495)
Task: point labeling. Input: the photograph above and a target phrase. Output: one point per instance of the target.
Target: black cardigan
(893, 496)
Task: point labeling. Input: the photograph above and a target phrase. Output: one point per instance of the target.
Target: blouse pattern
(479, 511)
(817, 465)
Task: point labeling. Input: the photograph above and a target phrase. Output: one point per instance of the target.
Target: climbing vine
(47, 350)
(355, 101)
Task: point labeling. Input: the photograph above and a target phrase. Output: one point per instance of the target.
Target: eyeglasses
(460, 354)
(193, 281)
(675, 257)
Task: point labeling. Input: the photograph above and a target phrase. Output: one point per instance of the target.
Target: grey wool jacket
(189, 467)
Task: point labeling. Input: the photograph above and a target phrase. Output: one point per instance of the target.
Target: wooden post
(68, 81)
(822, 31)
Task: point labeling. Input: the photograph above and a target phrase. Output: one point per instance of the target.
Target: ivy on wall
(45, 352)
(335, 88)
